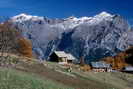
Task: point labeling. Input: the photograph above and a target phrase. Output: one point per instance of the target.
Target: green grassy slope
(12, 79)
(116, 80)
(48, 75)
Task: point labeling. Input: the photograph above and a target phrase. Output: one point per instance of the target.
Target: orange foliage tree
(121, 59)
(12, 42)
(25, 47)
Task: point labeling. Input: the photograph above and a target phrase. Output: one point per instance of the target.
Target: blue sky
(66, 8)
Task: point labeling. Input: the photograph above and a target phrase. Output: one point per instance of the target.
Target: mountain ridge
(92, 37)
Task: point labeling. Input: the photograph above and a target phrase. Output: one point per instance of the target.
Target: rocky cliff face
(92, 37)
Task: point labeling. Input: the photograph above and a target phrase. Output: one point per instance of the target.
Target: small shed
(128, 69)
(62, 57)
(101, 67)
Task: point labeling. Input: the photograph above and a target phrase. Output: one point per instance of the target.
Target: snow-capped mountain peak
(73, 20)
(25, 17)
(105, 14)
(22, 16)
(100, 17)
(91, 20)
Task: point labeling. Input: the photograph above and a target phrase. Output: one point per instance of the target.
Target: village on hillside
(67, 59)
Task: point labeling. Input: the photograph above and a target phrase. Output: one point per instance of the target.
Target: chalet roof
(100, 64)
(70, 57)
(65, 55)
(128, 68)
(60, 54)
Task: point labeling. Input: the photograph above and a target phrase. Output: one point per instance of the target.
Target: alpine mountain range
(93, 37)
